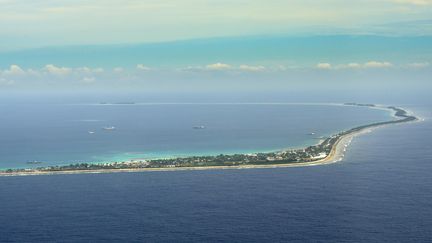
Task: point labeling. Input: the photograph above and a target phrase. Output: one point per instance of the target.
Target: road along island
(330, 150)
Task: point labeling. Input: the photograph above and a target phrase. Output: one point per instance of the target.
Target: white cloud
(376, 64)
(142, 67)
(252, 68)
(14, 70)
(354, 65)
(218, 66)
(324, 65)
(419, 65)
(90, 70)
(52, 69)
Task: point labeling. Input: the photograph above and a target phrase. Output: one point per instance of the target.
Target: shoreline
(336, 154)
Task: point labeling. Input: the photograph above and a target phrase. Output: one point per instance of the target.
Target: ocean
(380, 192)
(65, 133)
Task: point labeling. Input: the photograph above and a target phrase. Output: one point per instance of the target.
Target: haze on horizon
(192, 45)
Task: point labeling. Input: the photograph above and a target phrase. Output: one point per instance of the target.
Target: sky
(214, 45)
(36, 23)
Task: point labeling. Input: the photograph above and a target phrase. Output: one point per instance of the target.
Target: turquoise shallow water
(380, 192)
(58, 134)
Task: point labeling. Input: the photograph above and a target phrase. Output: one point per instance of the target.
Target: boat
(311, 133)
(91, 132)
(199, 127)
(110, 128)
(34, 162)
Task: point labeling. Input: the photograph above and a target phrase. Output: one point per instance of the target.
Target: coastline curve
(333, 148)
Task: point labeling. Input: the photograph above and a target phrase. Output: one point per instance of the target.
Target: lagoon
(58, 134)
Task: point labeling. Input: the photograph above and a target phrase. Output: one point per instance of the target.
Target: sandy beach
(336, 154)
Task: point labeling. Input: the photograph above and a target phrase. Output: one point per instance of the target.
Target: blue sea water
(380, 192)
(58, 134)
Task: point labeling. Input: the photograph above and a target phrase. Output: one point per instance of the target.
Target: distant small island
(117, 103)
(329, 150)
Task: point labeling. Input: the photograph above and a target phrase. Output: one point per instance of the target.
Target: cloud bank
(354, 65)
(52, 74)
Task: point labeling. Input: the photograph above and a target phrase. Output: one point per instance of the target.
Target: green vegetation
(309, 154)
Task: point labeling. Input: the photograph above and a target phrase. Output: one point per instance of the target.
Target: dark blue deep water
(381, 192)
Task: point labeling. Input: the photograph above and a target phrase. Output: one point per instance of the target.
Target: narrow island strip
(330, 150)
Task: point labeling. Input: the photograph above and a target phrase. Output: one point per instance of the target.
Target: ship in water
(35, 162)
(199, 127)
(109, 128)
